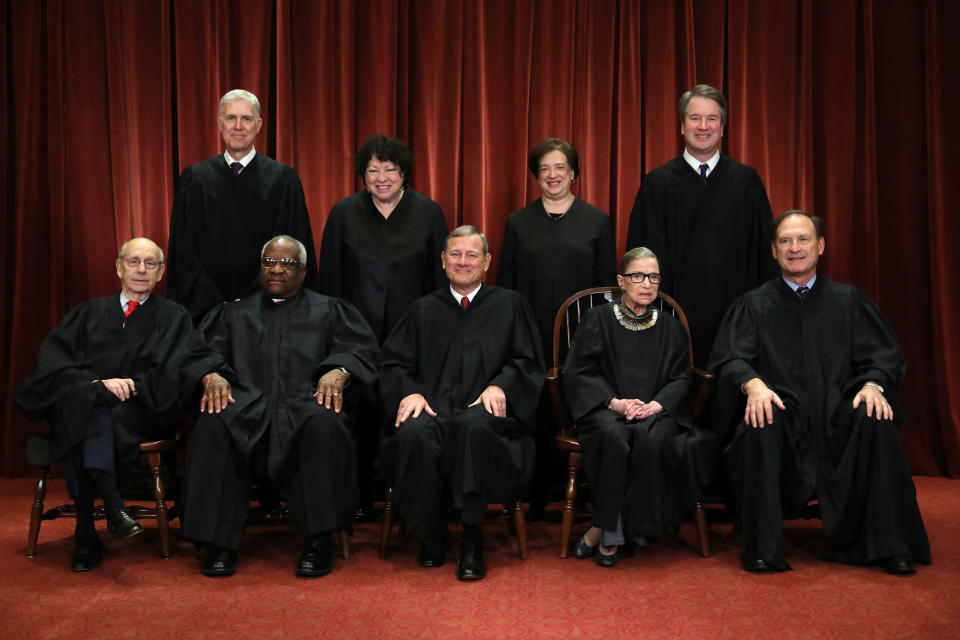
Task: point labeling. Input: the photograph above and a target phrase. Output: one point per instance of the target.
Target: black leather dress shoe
(755, 565)
(121, 524)
(316, 559)
(582, 550)
(471, 565)
(604, 560)
(220, 562)
(87, 555)
(899, 566)
(429, 557)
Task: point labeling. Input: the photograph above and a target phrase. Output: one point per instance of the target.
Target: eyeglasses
(287, 264)
(637, 277)
(134, 263)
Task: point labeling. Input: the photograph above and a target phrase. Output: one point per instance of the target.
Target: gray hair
(123, 249)
(303, 250)
(239, 94)
(703, 91)
(637, 253)
(462, 232)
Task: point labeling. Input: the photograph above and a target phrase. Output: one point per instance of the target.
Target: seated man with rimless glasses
(110, 376)
(274, 410)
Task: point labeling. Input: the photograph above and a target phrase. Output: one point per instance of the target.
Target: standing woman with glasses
(625, 382)
(381, 251)
(552, 248)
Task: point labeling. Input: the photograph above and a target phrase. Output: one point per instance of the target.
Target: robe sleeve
(522, 375)
(187, 280)
(762, 265)
(735, 353)
(398, 361)
(294, 220)
(584, 386)
(352, 346)
(606, 267)
(676, 373)
(875, 352)
(331, 253)
(438, 238)
(646, 228)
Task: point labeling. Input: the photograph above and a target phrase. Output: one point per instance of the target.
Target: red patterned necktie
(464, 302)
(131, 306)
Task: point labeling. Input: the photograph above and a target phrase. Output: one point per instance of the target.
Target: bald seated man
(111, 375)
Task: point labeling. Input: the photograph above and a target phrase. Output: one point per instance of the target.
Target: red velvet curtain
(842, 105)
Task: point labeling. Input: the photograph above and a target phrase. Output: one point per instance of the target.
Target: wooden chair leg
(520, 525)
(159, 494)
(386, 523)
(700, 518)
(36, 512)
(573, 467)
(343, 536)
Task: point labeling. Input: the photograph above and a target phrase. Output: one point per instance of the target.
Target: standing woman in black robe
(552, 248)
(381, 251)
(625, 382)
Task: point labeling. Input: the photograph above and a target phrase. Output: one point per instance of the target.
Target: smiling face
(702, 128)
(282, 280)
(465, 263)
(554, 175)
(239, 126)
(638, 296)
(797, 248)
(140, 268)
(383, 180)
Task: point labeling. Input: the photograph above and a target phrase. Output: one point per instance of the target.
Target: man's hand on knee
(760, 401)
(216, 393)
(412, 406)
(494, 401)
(123, 388)
(872, 395)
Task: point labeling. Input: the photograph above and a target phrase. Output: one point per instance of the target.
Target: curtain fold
(842, 106)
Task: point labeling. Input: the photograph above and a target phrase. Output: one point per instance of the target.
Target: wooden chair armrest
(703, 375)
(159, 445)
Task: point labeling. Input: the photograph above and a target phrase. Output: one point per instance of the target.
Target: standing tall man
(706, 217)
(463, 371)
(224, 210)
(820, 370)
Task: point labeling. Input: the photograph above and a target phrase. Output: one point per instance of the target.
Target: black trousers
(473, 455)
(318, 479)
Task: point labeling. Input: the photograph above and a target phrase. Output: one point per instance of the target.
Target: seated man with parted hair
(810, 371)
(274, 411)
(463, 370)
(111, 375)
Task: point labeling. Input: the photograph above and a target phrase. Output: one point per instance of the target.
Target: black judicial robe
(380, 264)
(711, 239)
(92, 343)
(606, 359)
(275, 353)
(547, 260)
(219, 224)
(816, 356)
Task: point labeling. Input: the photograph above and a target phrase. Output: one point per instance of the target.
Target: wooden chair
(515, 512)
(163, 481)
(566, 323)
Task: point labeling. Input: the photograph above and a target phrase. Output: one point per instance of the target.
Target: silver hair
(467, 230)
(303, 250)
(637, 253)
(239, 94)
(123, 249)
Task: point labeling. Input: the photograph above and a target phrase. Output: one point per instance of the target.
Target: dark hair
(703, 91)
(775, 225)
(387, 149)
(637, 253)
(554, 144)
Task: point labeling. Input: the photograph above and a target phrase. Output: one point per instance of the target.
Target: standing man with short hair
(706, 217)
(820, 370)
(224, 210)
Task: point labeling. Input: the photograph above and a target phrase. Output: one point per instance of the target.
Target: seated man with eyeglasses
(810, 372)
(463, 370)
(111, 375)
(275, 410)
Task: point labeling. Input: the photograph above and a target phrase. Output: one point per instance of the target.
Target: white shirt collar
(808, 284)
(695, 164)
(470, 296)
(245, 160)
(124, 300)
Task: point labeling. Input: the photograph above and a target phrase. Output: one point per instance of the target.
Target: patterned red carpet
(663, 591)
